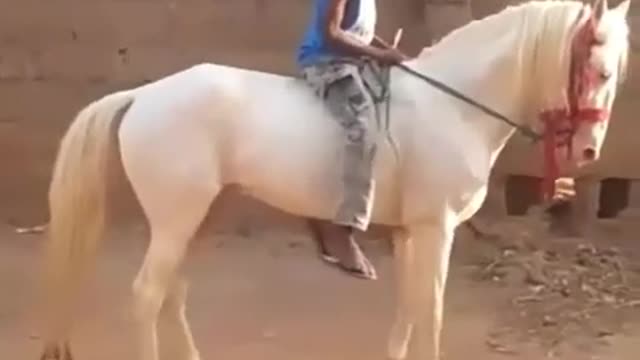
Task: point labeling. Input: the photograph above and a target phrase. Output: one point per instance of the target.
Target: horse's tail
(77, 197)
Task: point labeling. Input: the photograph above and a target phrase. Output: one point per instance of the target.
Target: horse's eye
(605, 75)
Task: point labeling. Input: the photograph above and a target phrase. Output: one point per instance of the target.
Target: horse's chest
(445, 178)
(473, 204)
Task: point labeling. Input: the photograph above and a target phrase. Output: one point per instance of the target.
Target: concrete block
(633, 207)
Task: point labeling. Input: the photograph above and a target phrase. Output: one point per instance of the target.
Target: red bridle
(562, 124)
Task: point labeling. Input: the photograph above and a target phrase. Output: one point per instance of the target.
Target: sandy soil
(517, 294)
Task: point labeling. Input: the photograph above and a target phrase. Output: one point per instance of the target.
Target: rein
(524, 130)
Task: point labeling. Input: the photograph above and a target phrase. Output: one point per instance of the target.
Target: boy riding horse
(340, 36)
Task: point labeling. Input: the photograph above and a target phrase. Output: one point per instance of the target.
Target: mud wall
(56, 56)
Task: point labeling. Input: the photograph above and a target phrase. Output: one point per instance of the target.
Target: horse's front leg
(401, 330)
(432, 243)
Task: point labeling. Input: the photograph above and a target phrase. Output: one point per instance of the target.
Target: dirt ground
(262, 294)
(257, 289)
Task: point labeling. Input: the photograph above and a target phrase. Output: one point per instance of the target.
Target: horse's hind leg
(175, 196)
(173, 170)
(172, 226)
(177, 335)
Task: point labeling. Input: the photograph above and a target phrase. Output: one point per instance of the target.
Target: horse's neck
(486, 63)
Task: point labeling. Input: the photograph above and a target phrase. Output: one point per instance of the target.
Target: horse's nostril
(589, 154)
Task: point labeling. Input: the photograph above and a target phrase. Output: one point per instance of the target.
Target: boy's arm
(381, 43)
(340, 39)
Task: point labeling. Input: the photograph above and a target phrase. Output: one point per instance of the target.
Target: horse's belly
(307, 180)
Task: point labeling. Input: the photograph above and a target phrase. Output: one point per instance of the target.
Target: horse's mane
(547, 29)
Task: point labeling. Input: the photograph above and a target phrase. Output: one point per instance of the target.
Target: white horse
(185, 137)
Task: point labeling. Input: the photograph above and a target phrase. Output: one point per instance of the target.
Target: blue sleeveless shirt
(359, 21)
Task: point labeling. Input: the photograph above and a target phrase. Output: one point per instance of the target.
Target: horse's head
(576, 107)
(597, 61)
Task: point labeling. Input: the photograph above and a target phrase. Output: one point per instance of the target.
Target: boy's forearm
(379, 42)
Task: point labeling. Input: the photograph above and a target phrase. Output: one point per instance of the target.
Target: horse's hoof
(67, 352)
(56, 352)
(51, 354)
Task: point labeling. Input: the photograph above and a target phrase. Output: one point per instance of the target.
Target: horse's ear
(623, 8)
(599, 8)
